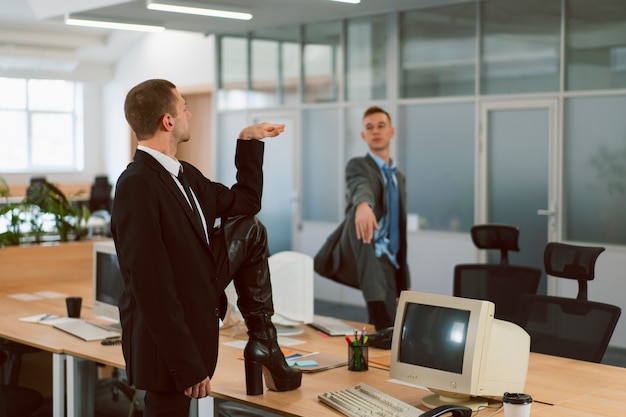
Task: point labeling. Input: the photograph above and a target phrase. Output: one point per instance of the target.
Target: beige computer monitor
(456, 348)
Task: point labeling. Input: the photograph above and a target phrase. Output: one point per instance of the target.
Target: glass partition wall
(434, 68)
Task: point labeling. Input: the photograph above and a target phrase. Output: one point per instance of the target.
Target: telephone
(456, 410)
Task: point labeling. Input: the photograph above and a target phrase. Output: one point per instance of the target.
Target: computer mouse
(381, 339)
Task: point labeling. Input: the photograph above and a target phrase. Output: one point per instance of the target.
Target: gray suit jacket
(343, 257)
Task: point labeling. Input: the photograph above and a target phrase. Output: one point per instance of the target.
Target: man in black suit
(176, 265)
(368, 249)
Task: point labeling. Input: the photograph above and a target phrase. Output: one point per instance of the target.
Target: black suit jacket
(170, 306)
(364, 182)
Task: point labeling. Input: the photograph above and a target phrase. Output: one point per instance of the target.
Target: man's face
(377, 131)
(181, 121)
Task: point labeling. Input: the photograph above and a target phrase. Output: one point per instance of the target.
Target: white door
(518, 174)
(279, 208)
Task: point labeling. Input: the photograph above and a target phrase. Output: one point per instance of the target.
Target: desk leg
(203, 407)
(81, 377)
(58, 385)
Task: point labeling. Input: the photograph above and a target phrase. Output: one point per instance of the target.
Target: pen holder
(357, 358)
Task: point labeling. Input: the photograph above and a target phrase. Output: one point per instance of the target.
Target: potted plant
(26, 220)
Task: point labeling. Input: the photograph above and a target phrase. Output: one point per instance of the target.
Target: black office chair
(100, 194)
(500, 284)
(502, 237)
(118, 383)
(572, 262)
(43, 193)
(16, 401)
(12, 359)
(567, 327)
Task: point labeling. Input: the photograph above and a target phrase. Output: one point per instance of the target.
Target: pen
(308, 354)
(45, 316)
(357, 355)
(348, 340)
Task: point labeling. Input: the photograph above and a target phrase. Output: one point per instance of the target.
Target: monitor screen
(108, 283)
(434, 337)
(456, 348)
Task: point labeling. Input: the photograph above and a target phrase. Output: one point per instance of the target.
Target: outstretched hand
(365, 222)
(262, 131)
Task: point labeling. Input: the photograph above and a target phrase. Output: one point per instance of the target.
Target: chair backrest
(496, 236)
(292, 287)
(567, 327)
(16, 401)
(572, 262)
(500, 284)
(100, 195)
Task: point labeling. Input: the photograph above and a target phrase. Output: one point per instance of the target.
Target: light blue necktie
(393, 209)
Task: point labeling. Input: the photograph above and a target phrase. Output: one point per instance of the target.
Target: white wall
(184, 58)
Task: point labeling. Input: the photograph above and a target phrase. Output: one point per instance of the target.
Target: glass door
(517, 175)
(280, 194)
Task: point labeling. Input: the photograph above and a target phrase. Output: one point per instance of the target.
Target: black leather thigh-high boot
(246, 240)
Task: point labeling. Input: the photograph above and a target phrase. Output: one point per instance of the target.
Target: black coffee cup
(73, 305)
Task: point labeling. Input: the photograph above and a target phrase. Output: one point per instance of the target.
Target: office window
(437, 157)
(275, 66)
(321, 171)
(354, 145)
(595, 44)
(520, 46)
(40, 119)
(438, 51)
(321, 63)
(233, 73)
(366, 62)
(594, 165)
(264, 73)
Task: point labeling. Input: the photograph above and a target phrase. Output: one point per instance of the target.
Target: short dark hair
(145, 105)
(374, 110)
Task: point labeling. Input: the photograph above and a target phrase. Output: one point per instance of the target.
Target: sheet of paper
(50, 294)
(240, 344)
(288, 341)
(24, 297)
(49, 319)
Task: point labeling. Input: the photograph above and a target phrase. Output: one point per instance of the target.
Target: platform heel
(262, 356)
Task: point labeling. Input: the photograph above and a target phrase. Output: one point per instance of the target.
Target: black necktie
(183, 180)
(393, 209)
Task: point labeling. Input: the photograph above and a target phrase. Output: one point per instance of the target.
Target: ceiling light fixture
(348, 1)
(201, 11)
(88, 22)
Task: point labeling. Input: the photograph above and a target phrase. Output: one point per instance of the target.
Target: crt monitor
(108, 283)
(455, 347)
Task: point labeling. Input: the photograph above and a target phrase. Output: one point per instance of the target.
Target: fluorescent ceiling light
(227, 14)
(112, 25)
(348, 1)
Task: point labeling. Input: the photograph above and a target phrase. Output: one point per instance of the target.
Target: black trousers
(240, 249)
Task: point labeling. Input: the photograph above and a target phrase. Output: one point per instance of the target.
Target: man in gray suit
(368, 250)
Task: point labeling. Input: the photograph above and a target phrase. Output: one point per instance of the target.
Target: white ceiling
(32, 32)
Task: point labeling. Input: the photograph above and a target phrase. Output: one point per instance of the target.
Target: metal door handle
(545, 212)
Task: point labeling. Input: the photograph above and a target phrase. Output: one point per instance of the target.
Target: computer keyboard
(332, 326)
(363, 400)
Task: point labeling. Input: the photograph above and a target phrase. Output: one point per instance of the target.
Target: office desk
(559, 386)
